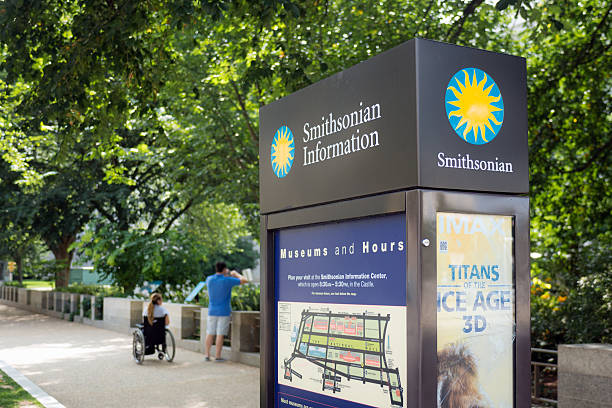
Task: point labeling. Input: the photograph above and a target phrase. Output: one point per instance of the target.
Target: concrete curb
(45, 399)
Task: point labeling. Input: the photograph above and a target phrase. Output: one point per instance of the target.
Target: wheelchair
(153, 339)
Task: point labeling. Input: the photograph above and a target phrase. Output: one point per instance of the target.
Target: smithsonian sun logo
(474, 106)
(283, 149)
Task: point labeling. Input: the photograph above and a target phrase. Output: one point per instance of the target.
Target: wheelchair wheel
(170, 346)
(138, 347)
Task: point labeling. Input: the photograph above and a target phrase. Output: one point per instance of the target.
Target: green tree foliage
(84, 61)
(226, 69)
(55, 210)
(243, 256)
(61, 210)
(18, 238)
(155, 105)
(224, 232)
(18, 247)
(569, 60)
(83, 82)
(81, 59)
(243, 297)
(135, 255)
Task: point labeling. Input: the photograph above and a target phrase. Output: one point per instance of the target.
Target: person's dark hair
(220, 267)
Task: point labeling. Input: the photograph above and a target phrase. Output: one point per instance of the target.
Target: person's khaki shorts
(218, 325)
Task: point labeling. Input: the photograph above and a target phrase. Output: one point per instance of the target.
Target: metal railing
(543, 377)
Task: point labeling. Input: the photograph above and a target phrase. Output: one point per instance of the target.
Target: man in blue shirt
(219, 308)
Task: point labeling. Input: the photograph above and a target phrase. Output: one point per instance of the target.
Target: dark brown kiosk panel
(395, 234)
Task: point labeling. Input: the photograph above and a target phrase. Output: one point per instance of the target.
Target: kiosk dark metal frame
(417, 188)
(420, 207)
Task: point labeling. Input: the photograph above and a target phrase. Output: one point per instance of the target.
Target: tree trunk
(63, 257)
(19, 262)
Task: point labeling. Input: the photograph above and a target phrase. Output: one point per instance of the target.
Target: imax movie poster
(475, 318)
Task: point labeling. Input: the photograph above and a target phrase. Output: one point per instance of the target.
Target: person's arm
(166, 318)
(236, 275)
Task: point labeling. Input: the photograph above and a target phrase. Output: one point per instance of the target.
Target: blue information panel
(341, 314)
(195, 291)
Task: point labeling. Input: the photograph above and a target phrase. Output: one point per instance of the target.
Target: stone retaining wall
(122, 315)
(585, 376)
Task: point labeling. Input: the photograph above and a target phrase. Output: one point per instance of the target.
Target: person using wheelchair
(152, 335)
(155, 310)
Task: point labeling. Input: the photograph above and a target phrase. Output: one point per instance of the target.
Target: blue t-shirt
(220, 294)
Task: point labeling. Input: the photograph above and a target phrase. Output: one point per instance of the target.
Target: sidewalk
(82, 366)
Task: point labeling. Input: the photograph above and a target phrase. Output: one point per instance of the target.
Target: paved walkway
(82, 366)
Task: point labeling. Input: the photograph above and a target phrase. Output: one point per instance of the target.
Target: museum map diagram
(348, 348)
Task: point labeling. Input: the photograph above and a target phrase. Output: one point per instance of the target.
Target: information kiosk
(395, 234)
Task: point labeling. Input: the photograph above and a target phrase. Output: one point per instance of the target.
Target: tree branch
(157, 214)
(457, 28)
(582, 57)
(259, 94)
(104, 213)
(224, 127)
(178, 214)
(147, 175)
(425, 18)
(244, 113)
(584, 52)
(599, 152)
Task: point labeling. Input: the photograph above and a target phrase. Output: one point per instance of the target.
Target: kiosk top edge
(423, 114)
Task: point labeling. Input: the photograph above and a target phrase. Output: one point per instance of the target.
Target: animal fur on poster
(458, 379)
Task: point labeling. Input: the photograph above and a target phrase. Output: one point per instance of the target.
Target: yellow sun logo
(282, 151)
(474, 106)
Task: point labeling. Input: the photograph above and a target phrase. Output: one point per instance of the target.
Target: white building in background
(4, 273)
(255, 272)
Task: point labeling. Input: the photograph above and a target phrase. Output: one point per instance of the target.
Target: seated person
(155, 319)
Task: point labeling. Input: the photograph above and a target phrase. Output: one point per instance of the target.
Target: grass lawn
(13, 396)
(37, 284)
